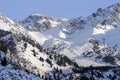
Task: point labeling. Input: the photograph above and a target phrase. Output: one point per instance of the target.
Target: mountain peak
(37, 14)
(4, 19)
(38, 22)
(115, 7)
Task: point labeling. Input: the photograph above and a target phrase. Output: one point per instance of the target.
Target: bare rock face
(38, 22)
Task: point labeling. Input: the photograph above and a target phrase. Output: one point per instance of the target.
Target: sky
(20, 9)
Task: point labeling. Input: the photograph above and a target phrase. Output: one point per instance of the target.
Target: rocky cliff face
(38, 22)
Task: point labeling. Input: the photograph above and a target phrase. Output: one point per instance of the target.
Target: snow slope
(72, 37)
(10, 72)
(50, 47)
(21, 49)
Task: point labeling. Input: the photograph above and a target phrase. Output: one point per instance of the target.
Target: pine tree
(4, 62)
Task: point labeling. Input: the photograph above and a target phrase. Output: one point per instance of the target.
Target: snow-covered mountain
(51, 48)
(89, 40)
(38, 22)
(19, 48)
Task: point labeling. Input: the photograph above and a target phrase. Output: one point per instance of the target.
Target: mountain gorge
(49, 48)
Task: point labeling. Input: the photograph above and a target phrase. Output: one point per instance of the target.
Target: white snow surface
(75, 41)
(9, 73)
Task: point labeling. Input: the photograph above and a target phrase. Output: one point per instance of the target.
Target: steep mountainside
(87, 40)
(38, 22)
(49, 48)
(19, 48)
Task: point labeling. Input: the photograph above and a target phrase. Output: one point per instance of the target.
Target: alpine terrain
(49, 48)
